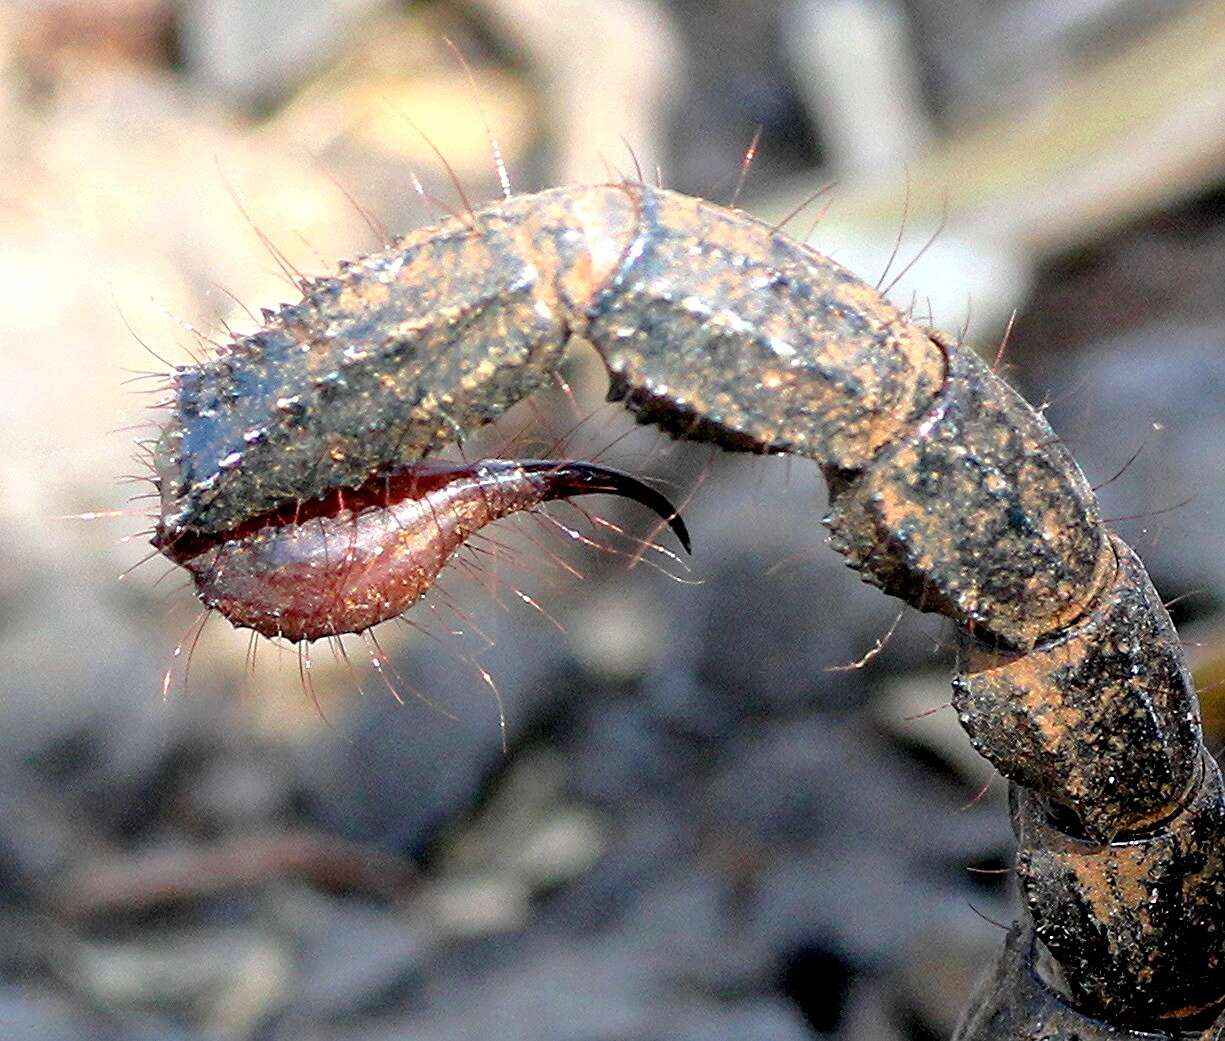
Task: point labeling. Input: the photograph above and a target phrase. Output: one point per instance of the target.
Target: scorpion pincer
(946, 489)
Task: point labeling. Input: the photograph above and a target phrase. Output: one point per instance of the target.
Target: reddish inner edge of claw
(352, 558)
(414, 482)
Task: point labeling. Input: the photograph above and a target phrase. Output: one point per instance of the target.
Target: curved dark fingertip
(567, 478)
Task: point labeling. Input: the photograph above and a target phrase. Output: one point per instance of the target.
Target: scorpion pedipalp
(947, 490)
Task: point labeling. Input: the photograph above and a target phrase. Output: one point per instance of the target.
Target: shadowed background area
(700, 827)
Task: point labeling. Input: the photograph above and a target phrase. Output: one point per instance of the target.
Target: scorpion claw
(564, 479)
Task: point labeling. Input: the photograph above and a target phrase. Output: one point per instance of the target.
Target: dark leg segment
(1072, 682)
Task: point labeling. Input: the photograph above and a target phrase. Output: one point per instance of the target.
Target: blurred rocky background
(700, 828)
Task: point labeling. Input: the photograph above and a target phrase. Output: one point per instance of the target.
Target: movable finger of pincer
(1137, 926)
(979, 513)
(400, 353)
(375, 367)
(1102, 719)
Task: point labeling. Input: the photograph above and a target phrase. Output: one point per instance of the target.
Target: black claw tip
(572, 478)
